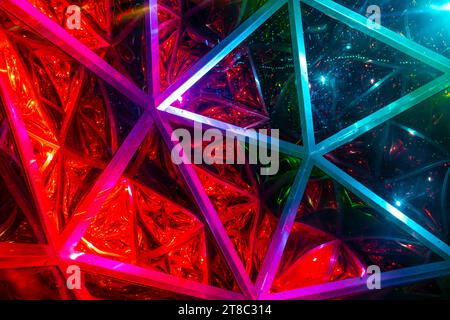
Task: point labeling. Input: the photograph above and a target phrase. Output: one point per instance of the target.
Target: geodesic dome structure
(86, 177)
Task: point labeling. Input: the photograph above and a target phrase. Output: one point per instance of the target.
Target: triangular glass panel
(253, 86)
(352, 75)
(248, 202)
(188, 30)
(112, 29)
(406, 161)
(150, 220)
(75, 121)
(336, 236)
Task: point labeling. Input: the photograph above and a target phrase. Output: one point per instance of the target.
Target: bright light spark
(49, 156)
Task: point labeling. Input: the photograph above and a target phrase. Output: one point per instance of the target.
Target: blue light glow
(444, 7)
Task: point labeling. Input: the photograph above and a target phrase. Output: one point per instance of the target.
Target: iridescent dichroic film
(86, 175)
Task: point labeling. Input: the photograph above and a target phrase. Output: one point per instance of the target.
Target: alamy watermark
(73, 281)
(373, 280)
(213, 146)
(373, 14)
(73, 17)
